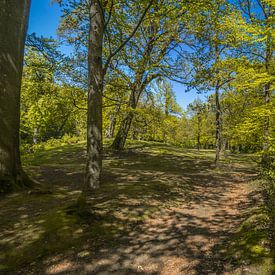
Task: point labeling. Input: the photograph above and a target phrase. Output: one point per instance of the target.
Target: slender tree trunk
(120, 139)
(223, 146)
(265, 157)
(111, 129)
(121, 136)
(199, 133)
(94, 120)
(59, 133)
(13, 26)
(218, 124)
(35, 135)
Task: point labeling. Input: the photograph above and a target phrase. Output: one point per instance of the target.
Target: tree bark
(13, 27)
(120, 139)
(121, 136)
(96, 75)
(111, 129)
(97, 72)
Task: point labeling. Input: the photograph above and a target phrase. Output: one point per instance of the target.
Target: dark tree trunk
(13, 26)
(135, 134)
(120, 139)
(218, 124)
(121, 136)
(94, 120)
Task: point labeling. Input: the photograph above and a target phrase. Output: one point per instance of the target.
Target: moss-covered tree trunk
(13, 25)
(96, 75)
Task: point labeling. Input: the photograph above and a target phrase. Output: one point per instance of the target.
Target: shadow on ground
(160, 210)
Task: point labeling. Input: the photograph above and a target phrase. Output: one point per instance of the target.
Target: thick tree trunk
(13, 26)
(218, 124)
(94, 120)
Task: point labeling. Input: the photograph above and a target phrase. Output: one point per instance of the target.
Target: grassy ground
(161, 209)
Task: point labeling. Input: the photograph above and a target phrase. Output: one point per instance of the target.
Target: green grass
(252, 243)
(138, 183)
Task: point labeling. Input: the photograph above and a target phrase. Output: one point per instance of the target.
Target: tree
(167, 98)
(96, 74)
(115, 100)
(217, 38)
(150, 57)
(98, 19)
(49, 107)
(13, 26)
(198, 108)
(260, 15)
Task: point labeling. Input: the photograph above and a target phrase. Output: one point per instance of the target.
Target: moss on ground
(251, 244)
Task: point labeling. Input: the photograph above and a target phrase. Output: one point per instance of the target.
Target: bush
(65, 140)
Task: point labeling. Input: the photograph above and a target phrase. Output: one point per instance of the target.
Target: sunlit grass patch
(250, 245)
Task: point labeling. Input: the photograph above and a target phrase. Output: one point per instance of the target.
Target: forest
(104, 170)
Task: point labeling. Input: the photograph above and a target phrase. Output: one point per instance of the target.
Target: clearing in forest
(161, 210)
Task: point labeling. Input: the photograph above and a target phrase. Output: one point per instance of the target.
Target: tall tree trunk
(218, 123)
(13, 26)
(94, 120)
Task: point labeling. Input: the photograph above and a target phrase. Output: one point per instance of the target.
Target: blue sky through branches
(44, 20)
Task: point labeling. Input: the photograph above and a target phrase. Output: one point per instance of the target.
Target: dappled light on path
(157, 212)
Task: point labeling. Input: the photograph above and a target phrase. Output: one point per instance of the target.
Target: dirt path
(184, 240)
(198, 208)
(187, 239)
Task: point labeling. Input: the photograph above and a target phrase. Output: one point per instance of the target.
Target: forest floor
(160, 210)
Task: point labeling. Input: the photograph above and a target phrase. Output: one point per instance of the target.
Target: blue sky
(44, 20)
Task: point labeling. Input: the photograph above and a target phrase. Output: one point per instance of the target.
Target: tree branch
(127, 39)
